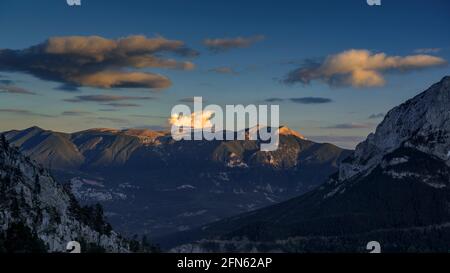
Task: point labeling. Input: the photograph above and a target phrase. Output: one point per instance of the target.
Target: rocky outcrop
(29, 196)
(422, 122)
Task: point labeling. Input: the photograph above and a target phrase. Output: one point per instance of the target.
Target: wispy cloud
(223, 70)
(122, 104)
(23, 112)
(67, 87)
(190, 100)
(108, 110)
(106, 98)
(114, 120)
(273, 100)
(6, 88)
(376, 116)
(311, 100)
(148, 116)
(304, 100)
(225, 44)
(430, 50)
(99, 62)
(75, 113)
(359, 68)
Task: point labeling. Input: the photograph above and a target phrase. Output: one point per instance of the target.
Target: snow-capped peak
(284, 130)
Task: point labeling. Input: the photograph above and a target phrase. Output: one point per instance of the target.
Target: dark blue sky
(294, 31)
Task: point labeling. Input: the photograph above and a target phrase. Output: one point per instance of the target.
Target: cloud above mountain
(106, 98)
(430, 50)
(75, 113)
(122, 104)
(6, 88)
(359, 68)
(376, 116)
(197, 120)
(190, 100)
(114, 120)
(23, 112)
(99, 62)
(224, 44)
(311, 100)
(303, 100)
(223, 70)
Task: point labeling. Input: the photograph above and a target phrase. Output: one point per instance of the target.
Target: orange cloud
(109, 79)
(360, 68)
(99, 62)
(224, 44)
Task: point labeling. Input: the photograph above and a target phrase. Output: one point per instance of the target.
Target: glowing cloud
(359, 68)
(196, 120)
(99, 62)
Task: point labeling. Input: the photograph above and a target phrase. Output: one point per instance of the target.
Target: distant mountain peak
(101, 130)
(33, 128)
(284, 130)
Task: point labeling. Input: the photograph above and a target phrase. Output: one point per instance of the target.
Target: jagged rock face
(422, 122)
(30, 196)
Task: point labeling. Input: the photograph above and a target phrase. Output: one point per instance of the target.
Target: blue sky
(293, 31)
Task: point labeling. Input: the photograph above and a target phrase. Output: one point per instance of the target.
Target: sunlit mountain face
(136, 174)
(213, 126)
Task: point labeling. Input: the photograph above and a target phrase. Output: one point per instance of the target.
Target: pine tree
(21, 239)
(15, 209)
(3, 141)
(37, 184)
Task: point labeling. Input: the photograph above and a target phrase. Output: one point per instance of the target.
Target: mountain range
(228, 196)
(151, 184)
(393, 189)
